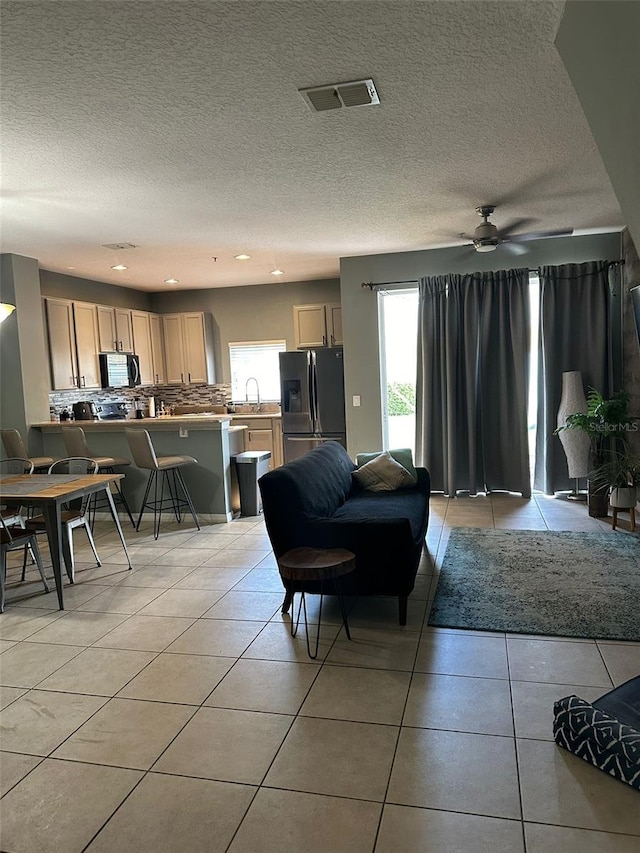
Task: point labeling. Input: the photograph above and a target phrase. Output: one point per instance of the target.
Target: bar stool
(301, 565)
(75, 443)
(145, 457)
(14, 445)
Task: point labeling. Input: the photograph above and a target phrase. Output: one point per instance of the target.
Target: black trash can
(251, 465)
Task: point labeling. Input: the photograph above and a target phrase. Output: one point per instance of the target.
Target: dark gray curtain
(472, 384)
(575, 334)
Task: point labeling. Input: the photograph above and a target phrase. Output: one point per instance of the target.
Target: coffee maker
(85, 410)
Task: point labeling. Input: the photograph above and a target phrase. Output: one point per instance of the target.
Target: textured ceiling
(177, 126)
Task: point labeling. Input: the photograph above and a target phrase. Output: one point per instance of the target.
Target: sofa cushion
(403, 455)
(412, 504)
(383, 474)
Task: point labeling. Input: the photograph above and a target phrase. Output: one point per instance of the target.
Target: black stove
(112, 411)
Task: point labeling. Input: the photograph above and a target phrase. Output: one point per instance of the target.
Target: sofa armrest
(424, 480)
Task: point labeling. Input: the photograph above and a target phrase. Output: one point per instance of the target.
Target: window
(257, 360)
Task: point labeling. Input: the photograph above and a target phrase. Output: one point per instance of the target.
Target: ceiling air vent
(358, 93)
(119, 246)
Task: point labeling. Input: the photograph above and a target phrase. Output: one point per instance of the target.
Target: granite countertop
(166, 422)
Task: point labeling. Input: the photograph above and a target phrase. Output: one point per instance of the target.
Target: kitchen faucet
(246, 389)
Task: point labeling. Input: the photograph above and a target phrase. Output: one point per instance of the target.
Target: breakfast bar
(212, 439)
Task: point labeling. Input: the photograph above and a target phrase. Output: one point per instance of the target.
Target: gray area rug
(540, 582)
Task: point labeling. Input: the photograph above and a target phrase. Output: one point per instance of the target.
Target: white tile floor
(168, 709)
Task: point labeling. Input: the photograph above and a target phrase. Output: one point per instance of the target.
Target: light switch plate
(356, 399)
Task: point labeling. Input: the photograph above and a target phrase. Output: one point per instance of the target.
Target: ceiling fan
(487, 238)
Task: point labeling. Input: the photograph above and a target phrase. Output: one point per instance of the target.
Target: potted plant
(621, 474)
(604, 421)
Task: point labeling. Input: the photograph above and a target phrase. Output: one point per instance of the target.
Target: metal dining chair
(14, 445)
(12, 514)
(74, 516)
(75, 443)
(163, 470)
(12, 538)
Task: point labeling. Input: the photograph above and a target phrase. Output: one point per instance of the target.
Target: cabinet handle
(189, 375)
(333, 341)
(121, 346)
(324, 341)
(83, 382)
(157, 381)
(182, 377)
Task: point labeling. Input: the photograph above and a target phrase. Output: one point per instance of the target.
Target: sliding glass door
(398, 313)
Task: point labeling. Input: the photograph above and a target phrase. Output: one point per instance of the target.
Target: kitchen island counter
(211, 439)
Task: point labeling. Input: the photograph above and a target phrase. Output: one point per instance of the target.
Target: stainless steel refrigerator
(312, 395)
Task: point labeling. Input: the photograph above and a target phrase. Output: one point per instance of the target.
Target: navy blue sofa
(314, 502)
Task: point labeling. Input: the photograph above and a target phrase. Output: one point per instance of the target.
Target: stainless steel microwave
(119, 370)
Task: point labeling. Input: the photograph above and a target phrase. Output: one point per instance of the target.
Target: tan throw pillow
(383, 474)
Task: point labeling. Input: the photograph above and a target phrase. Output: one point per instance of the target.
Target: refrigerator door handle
(313, 391)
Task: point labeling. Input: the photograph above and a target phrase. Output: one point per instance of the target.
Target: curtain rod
(372, 285)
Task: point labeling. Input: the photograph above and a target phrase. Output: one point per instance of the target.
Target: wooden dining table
(50, 492)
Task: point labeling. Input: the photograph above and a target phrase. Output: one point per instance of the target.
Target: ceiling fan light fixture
(481, 246)
(277, 272)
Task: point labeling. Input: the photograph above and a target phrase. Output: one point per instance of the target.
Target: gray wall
(360, 309)
(598, 43)
(255, 313)
(24, 362)
(86, 290)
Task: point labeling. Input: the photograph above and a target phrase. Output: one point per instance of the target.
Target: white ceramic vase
(623, 497)
(576, 442)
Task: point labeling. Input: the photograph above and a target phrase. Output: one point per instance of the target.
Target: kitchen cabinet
(114, 329)
(62, 344)
(157, 348)
(141, 328)
(188, 340)
(86, 332)
(263, 434)
(73, 344)
(317, 325)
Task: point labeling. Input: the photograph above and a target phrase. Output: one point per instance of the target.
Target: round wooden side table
(315, 564)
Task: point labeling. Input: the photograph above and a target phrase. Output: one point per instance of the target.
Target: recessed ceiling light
(242, 257)
(277, 272)
(119, 267)
(172, 281)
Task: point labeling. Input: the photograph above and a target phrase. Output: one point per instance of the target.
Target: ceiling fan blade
(539, 235)
(515, 248)
(516, 224)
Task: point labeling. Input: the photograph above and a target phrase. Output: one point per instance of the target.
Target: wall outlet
(184, 432)
(356, 399)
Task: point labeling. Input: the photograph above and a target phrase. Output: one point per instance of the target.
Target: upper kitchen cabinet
(147, 344)
(86, 329)
(141, 328)
(114, 329)
(73, 344)
(317, 325)
(157, 349)
(188, 342)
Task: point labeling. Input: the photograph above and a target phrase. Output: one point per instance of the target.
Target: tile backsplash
(170, 394)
